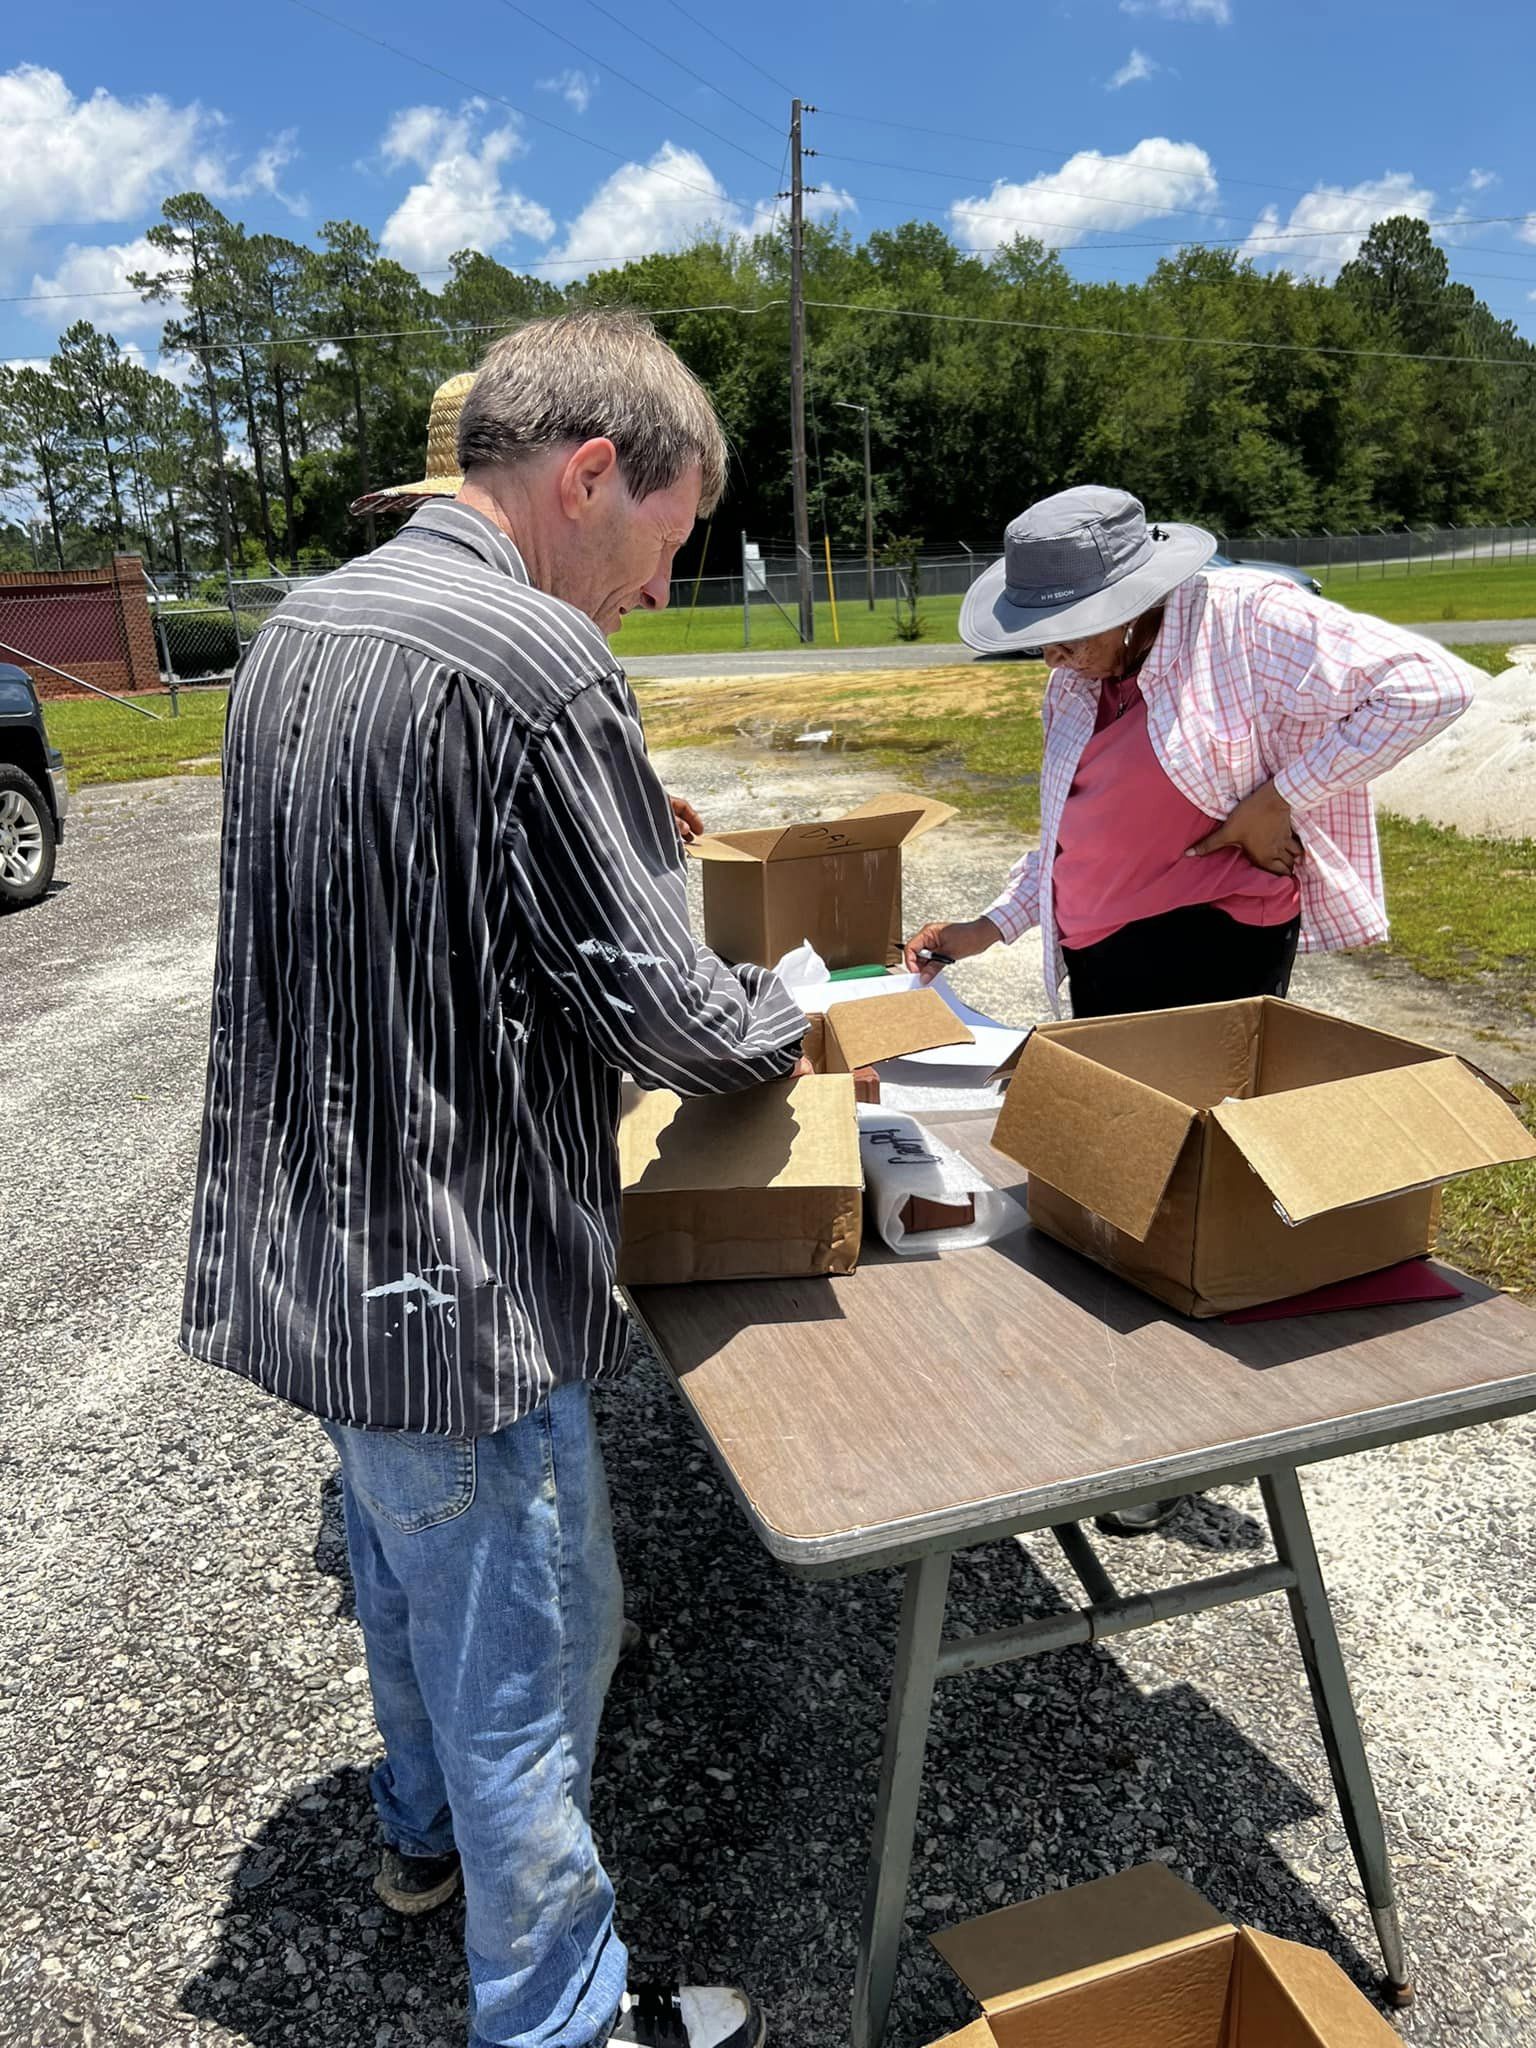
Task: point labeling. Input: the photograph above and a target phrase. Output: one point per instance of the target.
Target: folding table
(922, 1406)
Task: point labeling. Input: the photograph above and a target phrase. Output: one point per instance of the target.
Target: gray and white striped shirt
(452, 915)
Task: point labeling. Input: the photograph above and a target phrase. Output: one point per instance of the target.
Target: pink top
(1123, 836)
(1251, 678)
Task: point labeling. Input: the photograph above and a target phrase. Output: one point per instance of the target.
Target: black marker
(936, 959)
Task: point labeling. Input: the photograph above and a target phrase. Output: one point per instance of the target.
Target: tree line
(1246, 400)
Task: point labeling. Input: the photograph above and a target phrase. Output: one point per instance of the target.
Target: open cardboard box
(854, 1037)
(768, 1183)
(1142, 1961)
(836, 883)
(1244, 1152)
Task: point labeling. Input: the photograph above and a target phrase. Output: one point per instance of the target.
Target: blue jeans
(490, 1603)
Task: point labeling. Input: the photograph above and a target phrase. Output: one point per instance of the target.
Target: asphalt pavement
(185, 1840)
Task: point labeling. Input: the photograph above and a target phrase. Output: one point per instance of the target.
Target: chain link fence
(203, 624)
(1411, 549)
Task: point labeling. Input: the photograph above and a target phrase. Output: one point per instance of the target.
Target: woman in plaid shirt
(1210, 740)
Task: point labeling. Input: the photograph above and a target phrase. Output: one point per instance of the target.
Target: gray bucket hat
(1077, 564)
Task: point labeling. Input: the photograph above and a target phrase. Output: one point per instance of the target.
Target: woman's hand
(1261, 828)
(690, 825)
(953, 941)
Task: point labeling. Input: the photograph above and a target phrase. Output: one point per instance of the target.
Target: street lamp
(869, 503)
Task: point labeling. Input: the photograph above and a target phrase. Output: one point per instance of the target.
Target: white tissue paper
(901, 1160)
(804, 968)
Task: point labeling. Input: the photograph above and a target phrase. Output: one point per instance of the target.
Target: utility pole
(869, 504)
(797, 192)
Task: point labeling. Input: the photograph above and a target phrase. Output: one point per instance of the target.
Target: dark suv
(34, 794)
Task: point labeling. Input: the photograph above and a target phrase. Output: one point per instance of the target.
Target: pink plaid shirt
(1253, 678)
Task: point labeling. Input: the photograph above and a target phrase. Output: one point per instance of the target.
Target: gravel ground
(185, 1840)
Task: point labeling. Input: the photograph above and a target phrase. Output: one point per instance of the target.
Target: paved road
(184, 1833)
(945, 654)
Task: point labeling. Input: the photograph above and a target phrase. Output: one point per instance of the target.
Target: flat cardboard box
(1142, 1961)
(766, 1184)
(836, 883)
(1240, 1153)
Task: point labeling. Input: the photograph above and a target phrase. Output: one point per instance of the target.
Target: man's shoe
(1151, 1514)
(689, 2016)
(416, 1884)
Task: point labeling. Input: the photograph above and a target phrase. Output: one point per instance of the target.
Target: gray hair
(602, 374)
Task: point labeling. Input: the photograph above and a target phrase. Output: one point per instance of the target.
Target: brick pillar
(138, 626)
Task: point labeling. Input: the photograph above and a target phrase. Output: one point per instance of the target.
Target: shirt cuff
(1010, 920)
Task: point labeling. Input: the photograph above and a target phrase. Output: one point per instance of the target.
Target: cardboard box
(1240, 1153)
(766, 1184)
(836, 883)
(854, 1037)
(1142, 1961)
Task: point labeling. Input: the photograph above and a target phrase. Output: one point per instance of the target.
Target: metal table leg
(1347, 1760)
(901, 1779)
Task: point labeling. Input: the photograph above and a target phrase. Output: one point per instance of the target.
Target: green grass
(101, 742)
(1467, 590)
(716, 629)
(1463, 590)
(1488, 1223)
(1463, 909)
(1491, 660)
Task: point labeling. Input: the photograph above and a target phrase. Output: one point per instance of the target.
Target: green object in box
(856, 973)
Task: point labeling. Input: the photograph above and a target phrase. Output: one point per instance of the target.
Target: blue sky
(1111, 128)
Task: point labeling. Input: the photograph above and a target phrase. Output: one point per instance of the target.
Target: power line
(900, 313)
(740, 55)
(698, 76)
(1055, 149)
(1254, 235)
(633, 83)
(1184, 340)
(483, 92)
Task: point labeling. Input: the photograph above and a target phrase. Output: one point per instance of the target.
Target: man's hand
(801, 1069)
(948, 943)
(690, 825)
(1261, 828)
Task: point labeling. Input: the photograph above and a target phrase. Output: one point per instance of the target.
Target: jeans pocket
(409, 1480)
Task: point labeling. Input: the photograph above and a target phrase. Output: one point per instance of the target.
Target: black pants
(1196, 955)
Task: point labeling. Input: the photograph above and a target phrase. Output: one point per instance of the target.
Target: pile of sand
(1480, 774)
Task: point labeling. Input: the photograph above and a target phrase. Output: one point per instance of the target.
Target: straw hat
(442, 479)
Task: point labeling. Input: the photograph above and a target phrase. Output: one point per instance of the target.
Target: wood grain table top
(925, 1403)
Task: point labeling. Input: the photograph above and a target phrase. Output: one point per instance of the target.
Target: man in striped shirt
(452, 916)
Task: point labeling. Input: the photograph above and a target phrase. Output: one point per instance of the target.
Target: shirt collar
(1164, 650)
(447, 519)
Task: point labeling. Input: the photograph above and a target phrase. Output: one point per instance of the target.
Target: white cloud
(1090, 193)
(1326, 228)
(461, 202)
(1135, 68)
(93, 281)
(666, 203)
(574, 87)
(267, 167)
(1479, 181)
(103, 158)
(1217, 11)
